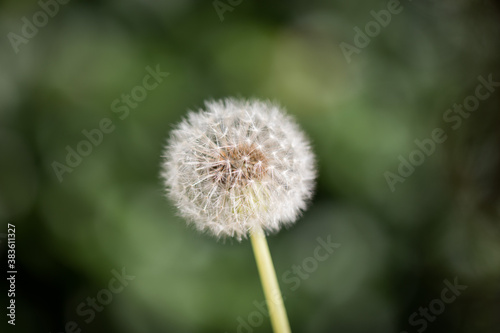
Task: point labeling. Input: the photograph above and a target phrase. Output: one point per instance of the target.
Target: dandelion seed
(219, 161)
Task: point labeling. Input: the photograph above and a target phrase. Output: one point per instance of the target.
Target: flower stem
(277, 311)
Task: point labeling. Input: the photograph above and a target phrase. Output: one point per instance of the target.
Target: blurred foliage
(109, 212)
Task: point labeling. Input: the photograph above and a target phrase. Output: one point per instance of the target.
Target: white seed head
(238, 165)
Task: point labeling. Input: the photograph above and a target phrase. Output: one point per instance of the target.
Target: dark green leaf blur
(401, 101)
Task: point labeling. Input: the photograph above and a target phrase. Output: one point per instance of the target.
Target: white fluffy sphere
(239, 165)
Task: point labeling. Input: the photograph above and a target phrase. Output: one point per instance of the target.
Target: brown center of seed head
(237, 166)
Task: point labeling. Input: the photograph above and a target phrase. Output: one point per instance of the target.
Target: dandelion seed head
(237, 165)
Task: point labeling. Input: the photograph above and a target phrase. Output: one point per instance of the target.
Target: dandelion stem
(277, 311)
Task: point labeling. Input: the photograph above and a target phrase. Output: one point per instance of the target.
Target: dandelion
(241, 168)
(239, 165)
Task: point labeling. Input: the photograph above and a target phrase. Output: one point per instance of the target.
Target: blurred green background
(109, 213)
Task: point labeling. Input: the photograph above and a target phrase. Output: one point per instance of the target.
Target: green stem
(277, 311)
